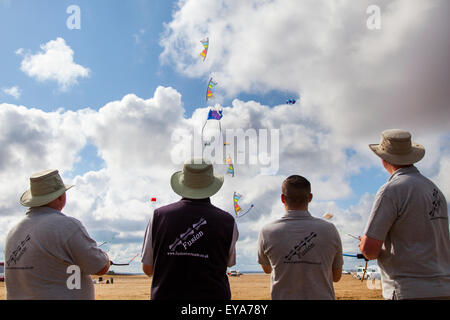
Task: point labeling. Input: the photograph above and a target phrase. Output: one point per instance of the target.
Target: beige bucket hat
(196, 180)
(45, 186)
(396, 148)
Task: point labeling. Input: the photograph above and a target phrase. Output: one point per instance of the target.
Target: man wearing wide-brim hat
(49, 256)
(408, 228)
(189, 244)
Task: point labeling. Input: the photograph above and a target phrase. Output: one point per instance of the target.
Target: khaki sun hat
(396, 148)
(196, 180)
(45, 186)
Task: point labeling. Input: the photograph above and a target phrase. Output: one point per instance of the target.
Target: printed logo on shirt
(188, 239)
(437, 201)
(18, 253)
(297, 254)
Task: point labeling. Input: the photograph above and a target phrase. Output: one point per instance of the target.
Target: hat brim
(195, 193)
(27, 199)
(415, 155)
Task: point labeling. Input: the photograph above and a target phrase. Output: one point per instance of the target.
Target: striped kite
(237, 209)
(230, 166)
(211, 85)
(205, 43)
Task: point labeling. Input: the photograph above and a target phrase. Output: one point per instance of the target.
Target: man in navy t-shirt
(189, 244)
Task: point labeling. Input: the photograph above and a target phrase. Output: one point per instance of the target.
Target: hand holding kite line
(123, 264)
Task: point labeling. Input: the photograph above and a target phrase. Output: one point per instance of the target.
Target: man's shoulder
(182, 205)
(64, 223)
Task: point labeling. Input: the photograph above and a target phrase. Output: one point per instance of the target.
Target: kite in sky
(237, 208)
(230, 169)
(291, 101)
(213, 114)
(205, 43)
(328, 216)
(209, 91)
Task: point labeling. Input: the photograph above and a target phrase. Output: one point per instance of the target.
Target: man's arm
(148, 270)
(337, 274)
(104, 270)
(370, 247)
(267, 269)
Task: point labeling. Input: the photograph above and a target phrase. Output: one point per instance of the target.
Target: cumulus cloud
(14, 92)
(54, 63)
(354, 81)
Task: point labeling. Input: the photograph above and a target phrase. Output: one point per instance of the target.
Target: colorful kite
(230, 169)
(237, 209)
(213, 114)
(205, 43)
(209, 91)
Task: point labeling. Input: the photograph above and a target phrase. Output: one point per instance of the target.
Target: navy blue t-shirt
(191, 240)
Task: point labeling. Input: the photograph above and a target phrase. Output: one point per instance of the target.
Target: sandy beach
(244, 287)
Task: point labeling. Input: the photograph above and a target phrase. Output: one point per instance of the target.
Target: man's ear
(310, 197)
(283, 200)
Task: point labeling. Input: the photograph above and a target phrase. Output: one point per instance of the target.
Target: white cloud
(54, 63)
(355, 82)
(14, 92)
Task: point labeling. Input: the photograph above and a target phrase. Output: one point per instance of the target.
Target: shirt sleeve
(147, 246)
(382, 216)
(232, 254)
(262, 258)
(85, 252)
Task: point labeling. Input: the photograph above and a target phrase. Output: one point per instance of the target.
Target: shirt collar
(297, 214)
(37, 210)
(401, 171)
(207, 200)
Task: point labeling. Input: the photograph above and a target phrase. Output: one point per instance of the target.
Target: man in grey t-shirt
(303, 254)
(408, 229)
(50, 256)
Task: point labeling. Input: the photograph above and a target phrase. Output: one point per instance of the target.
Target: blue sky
(350, 82)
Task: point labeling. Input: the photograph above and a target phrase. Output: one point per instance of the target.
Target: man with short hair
(408, 230)
(189, 244)
(303, 254)
(45, 243)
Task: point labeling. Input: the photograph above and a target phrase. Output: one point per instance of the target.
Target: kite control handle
(361, 256)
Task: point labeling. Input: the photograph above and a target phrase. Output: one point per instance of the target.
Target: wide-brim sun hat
(196, 180)
(45, 186)
(397, 148)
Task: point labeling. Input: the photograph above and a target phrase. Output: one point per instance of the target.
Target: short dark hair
(296, 190)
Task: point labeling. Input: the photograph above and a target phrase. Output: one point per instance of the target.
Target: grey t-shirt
(39, 251)
(303, 251)
(410, 215)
